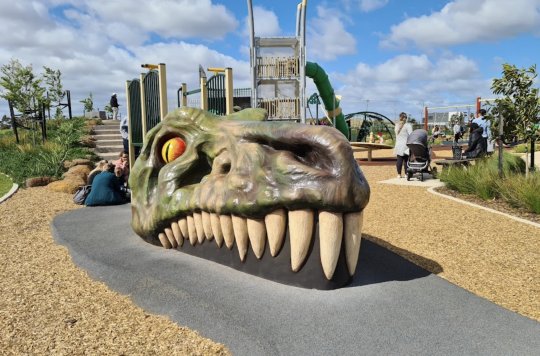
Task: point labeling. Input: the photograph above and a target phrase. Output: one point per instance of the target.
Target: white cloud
(266, 23)
(168, 18)
(327, 38)
(465, 21)
(97, 52)
(370, 5)
(410, 80)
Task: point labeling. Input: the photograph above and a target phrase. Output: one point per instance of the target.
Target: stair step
(108, 137)
(109, 149)
(109, 142)
(106, 129)
(108, 156)
(110, 122)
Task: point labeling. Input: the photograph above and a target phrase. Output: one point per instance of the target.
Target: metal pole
(163, 108)
(303, 63)
(252, 57)
(298, 17)
(532, 167)
(501, 130)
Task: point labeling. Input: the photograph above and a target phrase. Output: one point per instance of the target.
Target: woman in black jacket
(477, 144)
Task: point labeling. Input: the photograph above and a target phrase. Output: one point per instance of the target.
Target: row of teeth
(333, 229)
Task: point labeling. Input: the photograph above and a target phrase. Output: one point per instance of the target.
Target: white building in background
(444, 119)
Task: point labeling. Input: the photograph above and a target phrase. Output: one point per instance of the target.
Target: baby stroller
(420, 154)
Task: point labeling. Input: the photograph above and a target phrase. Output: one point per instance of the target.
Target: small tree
(88, 103)
(22, 87)
(108, 109)
(521, 104)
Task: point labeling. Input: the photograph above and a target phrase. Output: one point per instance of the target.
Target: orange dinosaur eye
(173, 149)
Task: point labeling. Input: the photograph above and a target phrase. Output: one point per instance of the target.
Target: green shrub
(524, 148)
(521, 191)
(25, 160)
(483, 180)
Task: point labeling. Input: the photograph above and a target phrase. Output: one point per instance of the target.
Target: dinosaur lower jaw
(335, 230)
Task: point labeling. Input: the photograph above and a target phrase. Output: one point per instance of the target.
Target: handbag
(80, 195)
(456, 152)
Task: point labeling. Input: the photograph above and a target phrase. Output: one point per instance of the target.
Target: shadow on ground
(377, 264)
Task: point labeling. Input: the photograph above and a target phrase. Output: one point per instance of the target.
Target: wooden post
(131, 149)
(143, 107)
(425, 118)
(184, 97)
(478, 106)
(204, 95)
(229, 91)
(163, 108)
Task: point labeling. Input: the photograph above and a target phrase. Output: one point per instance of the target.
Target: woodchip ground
(50, 306)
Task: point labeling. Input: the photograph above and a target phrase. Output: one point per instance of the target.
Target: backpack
(81, 194)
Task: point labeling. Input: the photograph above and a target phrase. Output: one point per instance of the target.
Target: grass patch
(483, 180)
(524, 148)
(26, 160)
(5, 184)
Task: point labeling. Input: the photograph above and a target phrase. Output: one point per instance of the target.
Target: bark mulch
(48, 306)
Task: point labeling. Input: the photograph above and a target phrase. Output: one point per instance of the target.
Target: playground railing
(268, 67)
(281, 107)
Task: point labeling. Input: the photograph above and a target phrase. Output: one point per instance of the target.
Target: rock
(81, 171)
(63, 186)
(67, 164)
(81, 162)
(75, 179)
(39, 182)
(88, 143)
(91, 122)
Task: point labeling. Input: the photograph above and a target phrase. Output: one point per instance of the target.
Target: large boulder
(63, 186)
(39, 182)
(78, 171)
(82, 162)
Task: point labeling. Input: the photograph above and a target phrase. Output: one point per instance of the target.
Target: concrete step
(102, 129)
(111, 157)
(110, 123)
(108, 137)
(109, 149)
(110, 142)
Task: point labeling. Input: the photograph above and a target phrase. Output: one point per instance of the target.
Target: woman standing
(403, 130)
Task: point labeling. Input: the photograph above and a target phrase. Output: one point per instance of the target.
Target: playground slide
(320, 78)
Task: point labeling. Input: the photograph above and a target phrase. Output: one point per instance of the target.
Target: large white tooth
(199, 227)
(192, 232)
(164, 240)
(257, 236)
(177, 234)
(182, 224)
(330, 235)
(353, 235)
(240, 235)
(216, 229)
(227, 229)
(276, 227)
(207, 226)
(170, 236)
(301, 230)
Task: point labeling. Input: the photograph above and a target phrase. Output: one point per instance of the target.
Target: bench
(454, 162)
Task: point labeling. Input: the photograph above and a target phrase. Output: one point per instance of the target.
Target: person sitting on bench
(477, 144)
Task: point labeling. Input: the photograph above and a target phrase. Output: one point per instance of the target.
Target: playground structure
(477, 105)
(365, 123)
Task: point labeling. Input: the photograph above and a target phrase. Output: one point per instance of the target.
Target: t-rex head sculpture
(251, 184)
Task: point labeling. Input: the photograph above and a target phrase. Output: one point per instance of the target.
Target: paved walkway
(392, 306)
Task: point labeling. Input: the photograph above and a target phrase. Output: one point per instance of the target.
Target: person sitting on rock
(95, 172)
(123, 162)
(105, 189)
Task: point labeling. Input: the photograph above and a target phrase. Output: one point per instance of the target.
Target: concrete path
(392, 307)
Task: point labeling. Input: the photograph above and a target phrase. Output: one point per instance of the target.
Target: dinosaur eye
(173, 149)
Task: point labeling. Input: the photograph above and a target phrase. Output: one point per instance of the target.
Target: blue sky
(384, 55)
